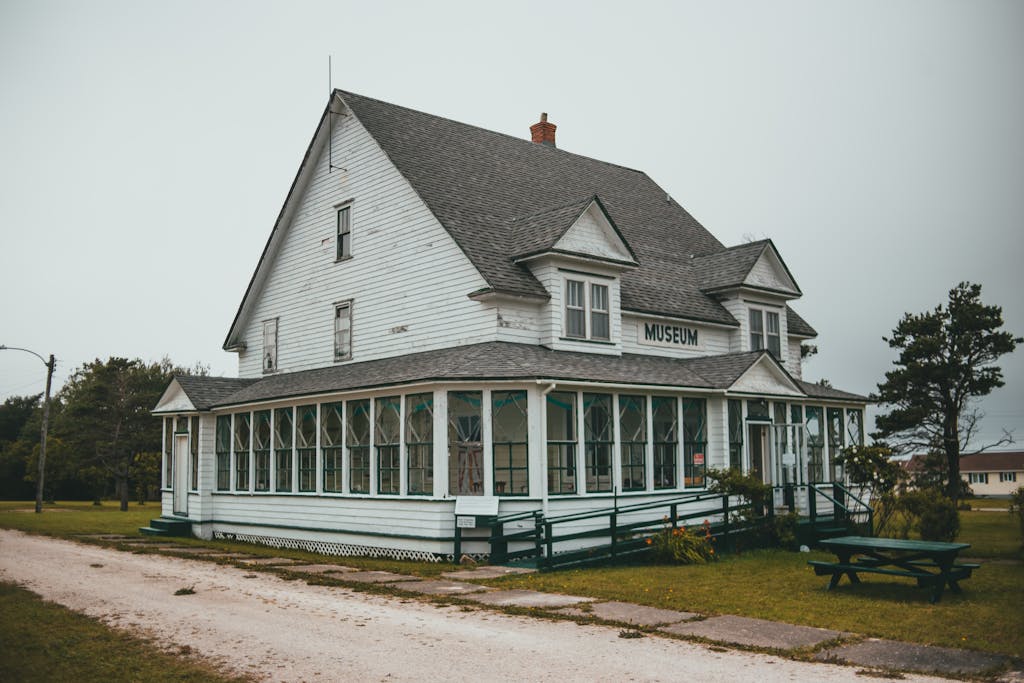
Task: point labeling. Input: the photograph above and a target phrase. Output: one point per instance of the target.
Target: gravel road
(276, 630)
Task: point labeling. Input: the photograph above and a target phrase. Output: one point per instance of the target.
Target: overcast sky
(146, 148)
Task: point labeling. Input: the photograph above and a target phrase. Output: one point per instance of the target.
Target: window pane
(599, 328)
(597, 435)
(270, 345)
(194, 451)
(261, 449)
(664, 419)
(223, 449)
(757, 408)
(815, 444)
(344, 230)
(283, 455)
(575, 313)
(465, 450)
(633, 441)
(331, 445)
(756, 330)
(358, 441)
(419, 442)
(509, 430)
(735, 434)
(694, 442)
(772, 319)
(854, 427)
(561, 442)
(242, 436)
(305, 443)
(343, 332)
(388, 445)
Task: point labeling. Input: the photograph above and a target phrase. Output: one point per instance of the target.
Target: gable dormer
(578, 254)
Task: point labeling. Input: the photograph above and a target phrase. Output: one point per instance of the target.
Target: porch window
(855, 426)
(419, 443)
(796, 417)
(598, 440)
(757, 408)
(168, 450)
(242, 437)
(343, 331)
(283, 458)
(695, 442)
(222, 446)
(261, 449)
(735, 434)
(357, 439)
(305, 447)
(193, 445)
(835, 436)
(465, 447)
(815, 445)
(388, 443)
(270, 345)
(561, 442)
(332, 443)
(665, 424)
(509, 437)
(633, 441)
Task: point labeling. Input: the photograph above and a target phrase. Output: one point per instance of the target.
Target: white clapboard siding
(407, 278)
(793, 362)
(739, 340)
(591, 234)
(519, 322)
(552, 313)
(768, 272)
(718, 434)
(713, 340)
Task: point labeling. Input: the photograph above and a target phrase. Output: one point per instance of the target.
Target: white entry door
(181, 474)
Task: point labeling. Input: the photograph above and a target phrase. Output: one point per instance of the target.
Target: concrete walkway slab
(317, 568)
(189, 550)
(525, 598)
(637, 615)
(269, 562)
(754, 632)
(376, 577)
(486, 572)
(890, 654)
(441, 587)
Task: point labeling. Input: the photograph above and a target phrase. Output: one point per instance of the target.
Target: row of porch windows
(283, 443)
(280, 445)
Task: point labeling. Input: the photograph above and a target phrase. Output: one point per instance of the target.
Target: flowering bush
(683, 546)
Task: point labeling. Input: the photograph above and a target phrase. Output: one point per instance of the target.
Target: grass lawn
(41, 641)
(776, 584)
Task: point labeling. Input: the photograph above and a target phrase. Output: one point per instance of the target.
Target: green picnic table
(933, 564)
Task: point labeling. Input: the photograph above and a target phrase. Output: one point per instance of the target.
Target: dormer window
(587, 311)
(764, 332)
(270, 345)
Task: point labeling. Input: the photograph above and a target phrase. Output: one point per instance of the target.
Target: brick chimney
(543, 132)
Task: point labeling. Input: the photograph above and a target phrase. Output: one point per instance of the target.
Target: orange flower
(649, 541)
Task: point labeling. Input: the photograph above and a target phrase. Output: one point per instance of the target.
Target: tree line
(103, 441)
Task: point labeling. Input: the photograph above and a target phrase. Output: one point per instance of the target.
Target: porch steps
(167, 526)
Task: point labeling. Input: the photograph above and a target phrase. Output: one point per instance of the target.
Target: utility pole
(50, 365)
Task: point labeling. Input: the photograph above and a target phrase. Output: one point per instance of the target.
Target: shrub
(935, 515)
(735, 483)
(782, 530)
(1017, 508)
(683, 546)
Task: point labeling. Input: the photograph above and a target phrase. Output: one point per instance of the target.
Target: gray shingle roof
(798, 325)
(206, 392)
(729, 267)
(501, 361)
(818, 391)
(475, 181)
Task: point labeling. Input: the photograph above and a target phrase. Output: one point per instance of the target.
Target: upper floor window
(270, 345)
(343, 331)
(344, 237)
(583, 298)
(764, 331)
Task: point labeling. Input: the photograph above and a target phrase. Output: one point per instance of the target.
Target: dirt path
(281, 630)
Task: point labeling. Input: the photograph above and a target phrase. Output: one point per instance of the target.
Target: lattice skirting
(342, 549)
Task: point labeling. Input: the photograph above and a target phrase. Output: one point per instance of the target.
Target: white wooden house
(444, 315)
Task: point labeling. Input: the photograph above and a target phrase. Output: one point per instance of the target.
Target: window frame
(273, 366)
(770, 341)
(343, 247)
(560, 453)
(585, 307)
(223, 455)
(419, 455)
(632, 453)
(503, 463)
(349, 305)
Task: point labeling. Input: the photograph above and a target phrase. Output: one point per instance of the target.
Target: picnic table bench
(933, 564)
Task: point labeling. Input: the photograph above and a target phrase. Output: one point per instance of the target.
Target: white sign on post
(464, 522)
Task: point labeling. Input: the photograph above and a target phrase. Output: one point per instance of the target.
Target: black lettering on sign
(671, 334)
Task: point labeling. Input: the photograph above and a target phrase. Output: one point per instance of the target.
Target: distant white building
(993, 473)
(446, 314)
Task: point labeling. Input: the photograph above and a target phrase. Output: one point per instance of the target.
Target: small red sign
(698, 458)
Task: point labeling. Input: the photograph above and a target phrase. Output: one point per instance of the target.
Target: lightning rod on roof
(330, 119)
